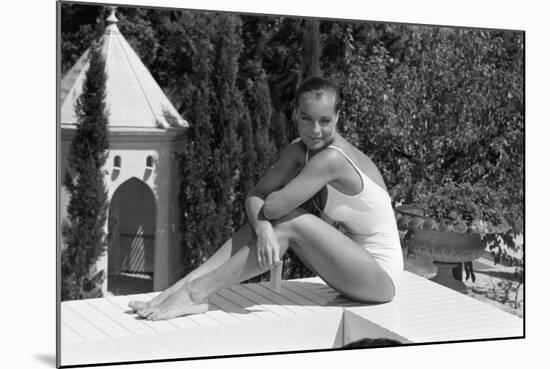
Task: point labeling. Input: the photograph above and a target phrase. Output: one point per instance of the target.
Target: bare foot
(140, 305)
(179, 303)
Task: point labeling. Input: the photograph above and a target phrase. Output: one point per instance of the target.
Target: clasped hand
(268, 247)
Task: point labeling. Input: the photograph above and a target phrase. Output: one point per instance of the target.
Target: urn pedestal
(448, 246)
(446, 249)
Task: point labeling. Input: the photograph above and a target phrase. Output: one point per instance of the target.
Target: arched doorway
(132, 219)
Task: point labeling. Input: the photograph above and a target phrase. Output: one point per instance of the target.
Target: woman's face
(316, 119)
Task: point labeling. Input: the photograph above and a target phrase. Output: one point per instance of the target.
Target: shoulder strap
(346, 156)
(361, 173)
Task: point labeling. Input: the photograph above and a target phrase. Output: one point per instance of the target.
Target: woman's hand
(267, 246)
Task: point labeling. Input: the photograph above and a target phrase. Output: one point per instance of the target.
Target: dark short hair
(320, 85)
(372, 342)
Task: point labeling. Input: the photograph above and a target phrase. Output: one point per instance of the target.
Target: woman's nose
(316, 127)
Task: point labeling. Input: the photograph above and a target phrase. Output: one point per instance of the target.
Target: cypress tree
(196, 203)
(83, 231)
(311, 49)
(228, 115)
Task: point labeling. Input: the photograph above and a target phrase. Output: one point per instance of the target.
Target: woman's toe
(158, 316)
(138, 305)
(146, 312)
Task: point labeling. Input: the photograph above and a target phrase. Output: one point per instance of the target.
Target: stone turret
(145, 133)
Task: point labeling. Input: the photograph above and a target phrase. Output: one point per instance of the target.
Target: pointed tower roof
(134, 100)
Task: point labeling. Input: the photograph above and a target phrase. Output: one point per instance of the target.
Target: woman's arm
(286, 167)
(322, 169)
(276, 177)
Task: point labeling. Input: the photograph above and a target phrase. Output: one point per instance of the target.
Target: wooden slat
(277, 298)
(69, 335)
(299, 299)
(109, 325)
(458, 326)
(260, 300)
(298, 288)
(218, 314)
(475, 333)
(230, 307)
(424, 311)
(183, 322)
(474, 314)
(118, 314)
(327, 294)
(80, 324)
(204, 320)
(255, 311)
(291, 333)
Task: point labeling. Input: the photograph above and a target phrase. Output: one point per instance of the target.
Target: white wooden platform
(251, 318)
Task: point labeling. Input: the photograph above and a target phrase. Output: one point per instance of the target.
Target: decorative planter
(447, 249)
(440, 242)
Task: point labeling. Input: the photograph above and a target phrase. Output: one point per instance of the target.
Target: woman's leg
(342, 263)
(242, 237)
(339, 261)
(242, 265)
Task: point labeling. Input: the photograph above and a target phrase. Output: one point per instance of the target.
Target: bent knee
(370, 297)
(377, 290)
(292, 222)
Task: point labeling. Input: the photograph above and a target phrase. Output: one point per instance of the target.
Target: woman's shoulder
(295, 151)
(361, 160)
(342, 145)
(297, 146)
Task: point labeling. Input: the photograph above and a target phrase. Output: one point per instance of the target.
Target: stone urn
(446, 244)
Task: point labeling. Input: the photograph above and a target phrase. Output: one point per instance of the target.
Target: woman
(362, 262)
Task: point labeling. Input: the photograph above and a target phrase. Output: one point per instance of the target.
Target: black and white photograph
(207, 184)
(238, 183)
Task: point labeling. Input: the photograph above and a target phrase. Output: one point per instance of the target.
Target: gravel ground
(496, 285)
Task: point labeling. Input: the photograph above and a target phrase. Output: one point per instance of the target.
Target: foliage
(478, 205)
(83, 233)
(78, 30)
(440, 111)
(450, 109)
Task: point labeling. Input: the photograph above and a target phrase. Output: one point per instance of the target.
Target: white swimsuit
(368, 219)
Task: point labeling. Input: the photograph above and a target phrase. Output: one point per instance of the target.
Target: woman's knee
(290, 224)
(382, 291)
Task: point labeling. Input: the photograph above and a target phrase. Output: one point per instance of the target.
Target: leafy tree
(83, 233)
(139, 28)
(444, 108)
(79, 27)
